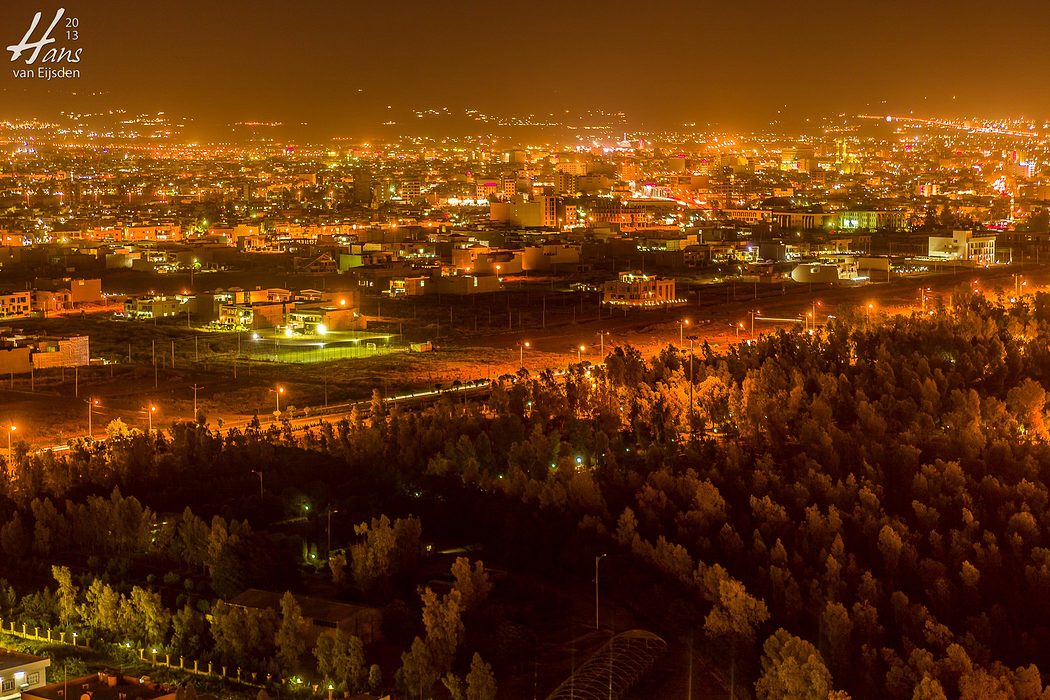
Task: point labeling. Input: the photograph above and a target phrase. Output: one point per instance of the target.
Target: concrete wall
(14, 361)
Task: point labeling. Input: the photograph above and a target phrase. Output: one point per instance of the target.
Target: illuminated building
(639, 289)
(151, 307)
(16, 304)
(542, 212)
(978, 248)
(21, 673)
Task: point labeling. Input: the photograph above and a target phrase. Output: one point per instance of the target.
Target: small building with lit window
(639, 289)
(468, 284)
(20, 673)
(152, 307)
(410, 286)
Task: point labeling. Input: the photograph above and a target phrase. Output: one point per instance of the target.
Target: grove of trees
(859, 512)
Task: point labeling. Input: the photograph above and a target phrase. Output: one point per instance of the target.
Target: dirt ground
(53, 407)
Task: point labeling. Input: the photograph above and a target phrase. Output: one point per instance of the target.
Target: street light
(277, 392)
(521, 352)
(867, 313)
(579, 353)
(150, 410)
(691, 421)
(91, 404)
(10, 453)
(601, 342)
(754, 312)
(682, 323)
(739, 327)
(330, 511)
(596, 560)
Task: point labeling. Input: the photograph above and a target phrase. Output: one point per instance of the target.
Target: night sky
(337, 65)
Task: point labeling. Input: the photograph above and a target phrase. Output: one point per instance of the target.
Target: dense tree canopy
(862, 508)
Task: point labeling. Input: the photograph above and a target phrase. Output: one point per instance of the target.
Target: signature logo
(53, 54)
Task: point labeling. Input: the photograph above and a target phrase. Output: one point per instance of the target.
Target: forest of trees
(859, 512)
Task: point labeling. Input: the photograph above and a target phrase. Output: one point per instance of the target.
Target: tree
(103, 610)
(189, 637)
(148, 616)
(385, 549)
(473, 584)
(324, 652)
(735, 616)
(243, 636)
(442, 619)
(348, 660)
(290, 640)
(837, 628)
(375, 677)
(792, 669)
(341, 659)
(455, 686)
(378, 407)
(890, 545)
(337, 564)
(14, 539)
(66, 596)
(928, 689)
(192, 539)
(481, 684)
(417, 674)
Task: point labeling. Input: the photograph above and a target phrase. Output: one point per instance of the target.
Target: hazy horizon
(332, 70)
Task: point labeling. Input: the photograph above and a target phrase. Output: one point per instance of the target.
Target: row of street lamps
(94, 406)
(279, 390)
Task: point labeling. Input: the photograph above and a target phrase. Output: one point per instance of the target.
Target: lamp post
(579, 353)
(691, 422)
(597, 559)
(867, 313)
(150, 410)
(521, 352)
(682, 323)
(330, 511)
(10, 432)
(91, 405)
(754, 312)
(277, 392)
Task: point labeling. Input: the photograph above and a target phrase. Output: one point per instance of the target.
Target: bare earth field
(53, 407)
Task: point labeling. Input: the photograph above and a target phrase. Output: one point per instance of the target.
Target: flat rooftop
(13, 659)
(312, 608)
(101, 686)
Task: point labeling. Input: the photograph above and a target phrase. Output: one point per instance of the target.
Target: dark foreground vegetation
(860, 512)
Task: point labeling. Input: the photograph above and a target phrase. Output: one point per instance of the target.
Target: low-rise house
(322, 616)
(21, 673)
